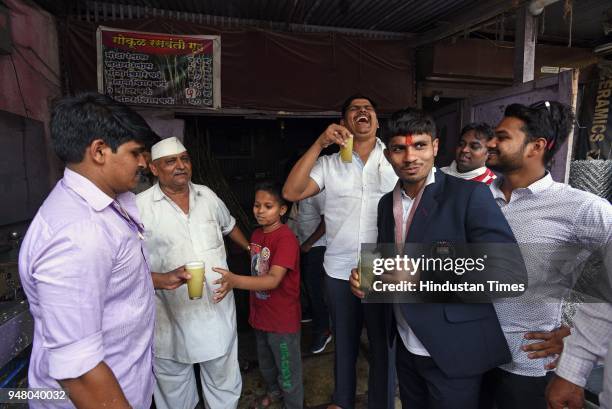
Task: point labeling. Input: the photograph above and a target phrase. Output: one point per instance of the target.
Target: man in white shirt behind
(589, 343)
(311, 235)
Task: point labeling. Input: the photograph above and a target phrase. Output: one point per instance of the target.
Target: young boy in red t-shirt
(275, 298)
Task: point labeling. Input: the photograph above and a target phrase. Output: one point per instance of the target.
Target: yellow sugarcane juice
(346, 151)
(365, 269)
(195, 284)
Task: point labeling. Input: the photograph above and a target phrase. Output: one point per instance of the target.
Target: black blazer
(462, 339)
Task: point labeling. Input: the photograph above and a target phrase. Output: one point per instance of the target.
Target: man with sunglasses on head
(549, 220)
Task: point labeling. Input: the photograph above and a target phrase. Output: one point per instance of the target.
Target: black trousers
(505, 390)
(424, 386)
(312, 274)
(348, 314)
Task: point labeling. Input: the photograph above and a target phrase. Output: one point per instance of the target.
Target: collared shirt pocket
(348, 186)
(209, 235)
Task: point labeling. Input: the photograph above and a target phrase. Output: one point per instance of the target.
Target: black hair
(349, 100)
(481, 129)
(273, 188)
(77, 121)
(550, 120)
(409, 121)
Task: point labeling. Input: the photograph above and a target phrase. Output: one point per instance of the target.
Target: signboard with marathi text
(141, 68)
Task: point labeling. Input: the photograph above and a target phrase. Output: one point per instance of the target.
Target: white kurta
(189, 331)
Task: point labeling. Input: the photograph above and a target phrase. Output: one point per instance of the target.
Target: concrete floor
(318, 373)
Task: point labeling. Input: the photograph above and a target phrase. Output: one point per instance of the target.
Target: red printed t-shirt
(276, 310)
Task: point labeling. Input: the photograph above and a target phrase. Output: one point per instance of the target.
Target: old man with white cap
(186, 222)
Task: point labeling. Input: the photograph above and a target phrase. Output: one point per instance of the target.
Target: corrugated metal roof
(406, 16)
(376, 18)
(401, 16)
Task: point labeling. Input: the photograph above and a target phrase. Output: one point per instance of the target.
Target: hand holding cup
(355, 284)
(196, 283)
(334, 133)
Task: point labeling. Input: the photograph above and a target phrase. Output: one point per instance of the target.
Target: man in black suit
(442, 349)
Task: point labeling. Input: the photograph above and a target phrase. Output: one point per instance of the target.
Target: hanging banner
(141, 68)
(595, 141)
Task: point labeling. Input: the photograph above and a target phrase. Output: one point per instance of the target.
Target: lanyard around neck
(134, 226)
(398, 213)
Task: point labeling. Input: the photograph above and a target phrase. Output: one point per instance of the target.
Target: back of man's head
(550, 120)
(409, 121)
(77, 121)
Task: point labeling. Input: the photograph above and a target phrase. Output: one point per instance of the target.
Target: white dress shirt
(189, 331)
(549, 220)
(310, 211)
(409, 338)
(351, 203)
(590, 343)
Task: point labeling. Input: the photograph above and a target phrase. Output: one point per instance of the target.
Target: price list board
(141, 68)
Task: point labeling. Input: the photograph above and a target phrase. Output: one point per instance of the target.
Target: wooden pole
(524, 46)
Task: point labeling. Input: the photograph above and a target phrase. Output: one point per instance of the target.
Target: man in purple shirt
(83, 267)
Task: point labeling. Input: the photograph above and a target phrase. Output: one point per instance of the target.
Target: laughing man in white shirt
(350, 211)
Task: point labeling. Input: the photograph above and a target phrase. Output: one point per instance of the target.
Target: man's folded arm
(97, 388)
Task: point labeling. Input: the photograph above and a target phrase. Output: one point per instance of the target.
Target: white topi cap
(167, 147)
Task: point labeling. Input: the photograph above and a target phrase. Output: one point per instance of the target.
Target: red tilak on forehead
(408, 139)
